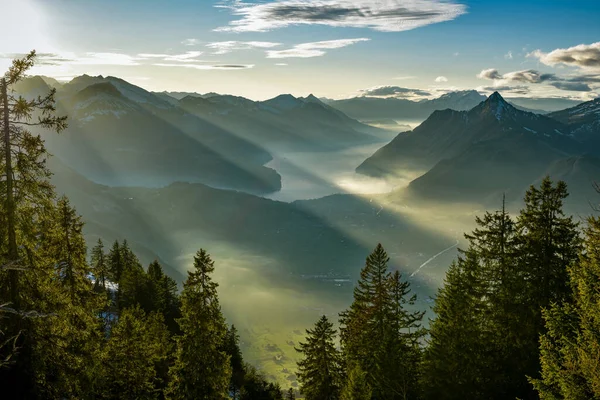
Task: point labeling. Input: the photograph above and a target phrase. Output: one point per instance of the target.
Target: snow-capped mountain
(584, 122)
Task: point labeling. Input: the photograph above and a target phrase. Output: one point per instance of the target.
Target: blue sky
(332, 48)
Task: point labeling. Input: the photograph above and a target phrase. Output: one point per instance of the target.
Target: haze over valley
(290, 138)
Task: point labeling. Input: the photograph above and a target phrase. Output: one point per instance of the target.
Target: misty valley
(205, 218)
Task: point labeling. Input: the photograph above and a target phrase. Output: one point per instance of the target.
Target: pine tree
(452, 365)
(402, 342)
(99, 266)
(26, 200)
(379, 334)
(132, 358)
(133, 282)
(357, 386)
(115, 263)
(548, 244)
(320, 370)
(162, 295)
(25, 190)
(203, 332)
(64, 363)
(570, 347)
(232, 349)
(363, 326)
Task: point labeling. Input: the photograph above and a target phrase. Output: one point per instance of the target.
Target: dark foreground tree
(201, 369)
(320, 369)
(570, 349)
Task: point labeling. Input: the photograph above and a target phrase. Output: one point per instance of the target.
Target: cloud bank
(580, 83)
(394, 91)
(583, 56)
(382, 15)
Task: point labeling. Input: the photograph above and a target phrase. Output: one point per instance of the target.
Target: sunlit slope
(120, 134)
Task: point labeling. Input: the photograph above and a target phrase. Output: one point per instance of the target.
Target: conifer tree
(26, 199)
(452, 368)
(162, 295)
(570, 347)
(320, 370)
(131, 359)
(379, 334)
(356, 386)
(363, 325)
(203, 332)
(232, 349)
(548, 243)
(99, 266)
(402, 342)
(115, 263)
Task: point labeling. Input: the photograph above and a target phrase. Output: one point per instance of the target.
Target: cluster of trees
(517, 317)
(107, 327)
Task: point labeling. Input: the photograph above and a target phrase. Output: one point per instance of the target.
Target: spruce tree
(99, 266)
(201, 369)
(26, 200)
(356, 386)
(570, 347)
(363, 325)
(378, 332)
(162, 295)
(548, 243)
(452, 366)
(131, 360)
(232, 349)
(115, 262)
(320, 370)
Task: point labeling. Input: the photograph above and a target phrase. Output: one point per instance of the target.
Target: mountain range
(367, 108)
(122, 135)
(493, 148)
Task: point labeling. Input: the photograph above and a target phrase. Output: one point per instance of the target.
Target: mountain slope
(120, 134)
(584, 123)
(284, 122)
(448, 134)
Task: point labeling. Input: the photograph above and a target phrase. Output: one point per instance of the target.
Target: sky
(331, 48)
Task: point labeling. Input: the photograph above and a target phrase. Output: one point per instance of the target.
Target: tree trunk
(13, 253)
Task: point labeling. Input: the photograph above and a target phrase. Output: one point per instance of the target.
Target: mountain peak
(496, 98)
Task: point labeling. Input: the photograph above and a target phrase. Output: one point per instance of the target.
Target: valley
(290, 220)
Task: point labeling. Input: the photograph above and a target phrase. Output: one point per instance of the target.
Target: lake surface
(310, 175)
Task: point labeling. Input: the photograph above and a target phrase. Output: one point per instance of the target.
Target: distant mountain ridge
(493, 148)
(372, 108)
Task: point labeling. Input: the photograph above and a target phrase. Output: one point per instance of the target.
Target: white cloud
(92, 58)
(208, 67)
(403, 78)
(189, 56)
(314, 49)
(228, 47)
(583, 55)
(383, 15)
(509, 55)
(394, 91)
(441, 79)
(281, 64)
(190, 42)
